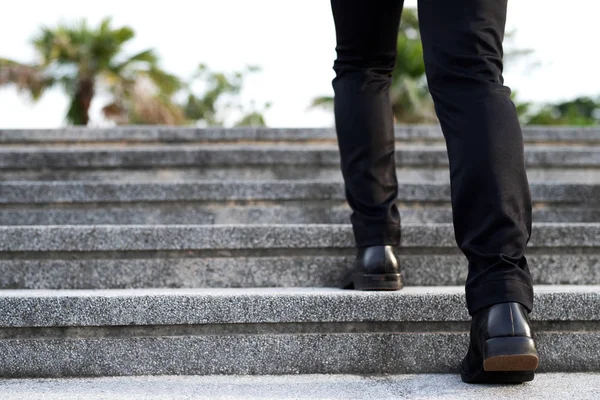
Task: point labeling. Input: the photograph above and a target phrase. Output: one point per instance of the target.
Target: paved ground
(546, 386)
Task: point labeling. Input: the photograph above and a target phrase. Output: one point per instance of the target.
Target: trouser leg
(491, 200)
(366, 33)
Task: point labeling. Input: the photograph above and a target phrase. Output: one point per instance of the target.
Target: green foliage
(254, 118)
(582, 111)
(524, 109)
(85, 60)
(409, 58)
(28, 79)
(411, 101)
(323, 102)
(220, 98)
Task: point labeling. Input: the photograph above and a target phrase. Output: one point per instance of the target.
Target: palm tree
(86, 61)
(411, 101)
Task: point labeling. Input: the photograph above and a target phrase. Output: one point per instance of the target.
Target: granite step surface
(545, 386)
(166, 163)
(161, 134)
(239, 212)
(276, 172)
(180, 256)
(238, 202)
(272, 331)
(200, 155)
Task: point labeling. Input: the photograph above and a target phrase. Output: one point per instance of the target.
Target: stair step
(81, 238)
(109, 256)
(153, 134)
(260, 162)
(147, 259)
(280, 172)
(162, 306)
(547, 386)
(270, 213)
(257, 154)
(273, 202)
(272, 331)
(95, 192)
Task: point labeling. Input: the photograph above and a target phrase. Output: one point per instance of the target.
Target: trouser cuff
(499, 291)
(373, 235)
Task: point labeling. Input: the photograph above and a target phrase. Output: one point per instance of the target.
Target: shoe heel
(510, 354)
(377, 282)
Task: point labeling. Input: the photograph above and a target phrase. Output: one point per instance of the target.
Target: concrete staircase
(137, 251)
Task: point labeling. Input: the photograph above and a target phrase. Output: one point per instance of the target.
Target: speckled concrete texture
(278, 172)
(86, 192)
(158, 227)
(192, 237)
(548, 386)
(46, 308)
(265, 354)
(170, 272)
(30, 308)
(133, 134)
(178, 237)
(184, 270)
(199, 155)
(268, 202)
(277, 212)
(205, 156)
(567, 267)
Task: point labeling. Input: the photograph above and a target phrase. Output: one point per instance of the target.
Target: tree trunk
(79, 113)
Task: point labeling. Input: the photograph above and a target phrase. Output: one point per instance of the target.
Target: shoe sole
(377, 282)
(498, 377)
(507, 354)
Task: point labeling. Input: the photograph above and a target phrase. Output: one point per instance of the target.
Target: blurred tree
(582, 111)
(523, 108)
(411, 101)
(85, 61)
(220, 98)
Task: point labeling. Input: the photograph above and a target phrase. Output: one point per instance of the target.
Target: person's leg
(366, 33)
(491, 200)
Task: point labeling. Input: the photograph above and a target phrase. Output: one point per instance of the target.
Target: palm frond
(148, 56)
(123, 34)
(27, 78)
(166, 83)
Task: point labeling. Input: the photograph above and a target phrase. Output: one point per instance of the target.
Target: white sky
(293, 42)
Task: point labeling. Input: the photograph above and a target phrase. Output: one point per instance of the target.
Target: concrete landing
(545, 386)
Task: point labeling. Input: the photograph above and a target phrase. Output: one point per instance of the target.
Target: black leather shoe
(502, 348)
(375, 268)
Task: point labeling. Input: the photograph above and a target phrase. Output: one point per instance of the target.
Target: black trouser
(491, 202)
